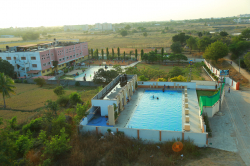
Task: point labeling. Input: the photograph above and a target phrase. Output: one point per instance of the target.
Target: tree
(118, 68)
(103, 76)
(130, 54)
(59, 91)
(245, 33)
(203, 43)
(92, 53)
(96, 54)
(52, 106)
(124, 56)
(118, 53)
(156, 50)
(143, 78)
(180, 38)
(124, 33)
(145, 34)
(40, 81)
(142, 54)
(127, 27)
(216, 51)
(6, 86)
(200, 34)
(191, 42)
(30, 36)
(176, 71)
(75, 98)
(223, 33)
(179, 78)
(102, 52)
(136, 54)
(107, 53)
(113, 54)
(6, 68)
(176, 47)
(81, 111)
(247, 60)
(152, 56)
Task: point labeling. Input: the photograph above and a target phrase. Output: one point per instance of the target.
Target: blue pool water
(162, 114)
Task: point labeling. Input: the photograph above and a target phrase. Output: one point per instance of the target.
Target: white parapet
(186, 99)
(187, 119)
(186, 105)
(174, 86)
(186, 95)
(185, 91)
(111, 116)
(186, 111)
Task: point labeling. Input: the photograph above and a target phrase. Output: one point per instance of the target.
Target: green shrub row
(212, 74)
(208, 129)
(20, 81)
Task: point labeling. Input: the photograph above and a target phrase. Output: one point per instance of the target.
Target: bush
(63, 101)
(162, 80)
(40, 81)
(213, 74)
(34, 125)
(59, 123)
(75, 98)
(25, 81)
(208, 129)
(59, 91)
(18, 81)
(77, 83)
(24, 144)
(143, 78)
(58, 145)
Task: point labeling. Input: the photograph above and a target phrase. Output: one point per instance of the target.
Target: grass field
(29, 98)
(10, 39)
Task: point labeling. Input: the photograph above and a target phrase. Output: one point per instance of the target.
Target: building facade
(76, 27)
(103, 27)
(29, 62)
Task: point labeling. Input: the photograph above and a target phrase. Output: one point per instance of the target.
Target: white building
(103, 27)
(76, 27)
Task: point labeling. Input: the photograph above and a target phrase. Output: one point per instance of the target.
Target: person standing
(229, 90)
(215, 86)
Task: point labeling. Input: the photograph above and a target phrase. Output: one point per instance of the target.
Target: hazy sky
(29, 13)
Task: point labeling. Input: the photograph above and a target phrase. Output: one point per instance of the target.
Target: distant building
(76, 27)
(7, 36)
(37, 59)
(103, 27)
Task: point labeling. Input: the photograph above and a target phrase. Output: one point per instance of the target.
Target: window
(8, 58)
(67, 57)
(44, 64)
(34, 65)
(60, 60)
(74, 55)
(47, 57)
(80, 53)
(59, 66)
(71, 56)
(63, 59)
(34, 58)
(43, 71)
(48, 63)
(47, 70)
(23, 58)
(52, 54)
(14, 58)
(62, 64)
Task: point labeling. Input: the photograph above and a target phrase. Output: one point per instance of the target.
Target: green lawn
(205, 93)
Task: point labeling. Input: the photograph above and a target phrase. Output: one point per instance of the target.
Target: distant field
(10, 39)
(31, 97)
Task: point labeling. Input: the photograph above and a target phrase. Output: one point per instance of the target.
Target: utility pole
(239, 65)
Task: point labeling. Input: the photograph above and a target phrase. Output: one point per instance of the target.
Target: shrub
(180, 78)
(143, 78)
(81, 111)
(213, 74)
(59, 123)
(24, 144)
(162, 80)
(25, 81)
(58, 145)
(34, 125)
(13, 122)
(63, 101)
(40, 81)
(18, 81)
(59, 91)
(75, 98)
(77, 83)
(42, 137)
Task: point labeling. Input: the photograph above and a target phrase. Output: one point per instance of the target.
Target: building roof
(29, 45)
(33, 71)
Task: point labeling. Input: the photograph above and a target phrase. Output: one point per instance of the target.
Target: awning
(33, 71)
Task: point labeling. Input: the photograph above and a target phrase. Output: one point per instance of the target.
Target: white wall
(200, 139)
(150, 135)
(170, 135)
(207, 83)
(103, 104)
(190, 85)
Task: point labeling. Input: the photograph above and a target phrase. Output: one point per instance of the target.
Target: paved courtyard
(231, 130)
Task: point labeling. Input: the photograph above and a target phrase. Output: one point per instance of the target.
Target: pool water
(162, 114)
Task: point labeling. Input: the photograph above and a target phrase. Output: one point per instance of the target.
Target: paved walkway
(231, 131)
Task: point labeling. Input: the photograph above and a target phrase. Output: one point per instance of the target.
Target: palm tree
(6, 86)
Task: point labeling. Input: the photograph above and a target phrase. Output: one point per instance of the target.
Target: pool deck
(129, 109)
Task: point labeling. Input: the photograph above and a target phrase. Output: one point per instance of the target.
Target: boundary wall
(155, 84)
(156, 136)
(235, 85)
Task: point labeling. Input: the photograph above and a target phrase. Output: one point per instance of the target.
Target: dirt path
(236, 67)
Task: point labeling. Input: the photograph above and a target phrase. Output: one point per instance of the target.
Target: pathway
(242, 71)
(231, 131)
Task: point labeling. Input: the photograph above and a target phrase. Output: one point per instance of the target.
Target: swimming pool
(162, 114)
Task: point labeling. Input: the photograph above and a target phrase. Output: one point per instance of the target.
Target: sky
(34, 13)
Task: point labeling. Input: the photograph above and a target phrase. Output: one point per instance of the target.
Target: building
(39, 59)
(76, 27)
(103, 27)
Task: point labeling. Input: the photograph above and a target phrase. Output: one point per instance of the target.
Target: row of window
(22, 58)
(45, 64)
(49, 69)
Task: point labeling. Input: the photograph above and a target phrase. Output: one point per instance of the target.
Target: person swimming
(153, 96)
(163, 89)
(157, 98)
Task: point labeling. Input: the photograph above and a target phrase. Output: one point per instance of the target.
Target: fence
(200, 139)
(210, 100)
